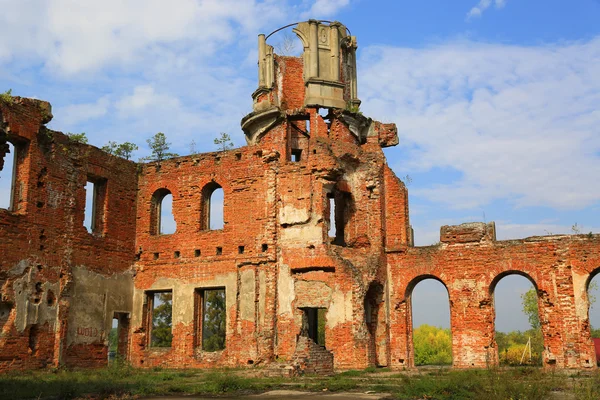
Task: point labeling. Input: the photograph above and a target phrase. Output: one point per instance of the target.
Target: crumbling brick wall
(44, 244)
(306, 169)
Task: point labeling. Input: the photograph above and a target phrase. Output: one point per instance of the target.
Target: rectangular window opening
(296, 155)
(95, 196)
(197, 253)
(240, 249)
(219, 251)
(177, 254)
(211, 319)
(8, 174)
(264, 247)
(160, 317)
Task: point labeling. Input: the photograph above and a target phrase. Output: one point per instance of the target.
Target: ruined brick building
(316, 244)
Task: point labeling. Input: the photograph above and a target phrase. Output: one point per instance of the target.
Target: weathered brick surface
(43, 239)
(274, 257)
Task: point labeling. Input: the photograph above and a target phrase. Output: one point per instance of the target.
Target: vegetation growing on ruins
(159, 147)
(224, 142)
(78, 137)
(123, 150)
(6, 97)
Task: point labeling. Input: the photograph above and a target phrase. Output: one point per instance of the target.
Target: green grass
(122, 380)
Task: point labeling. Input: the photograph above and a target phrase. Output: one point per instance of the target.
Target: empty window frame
(8, 178)
(337, 211)
(212, 207)
(162, 221)
(159, 311)
(210, 318)
(95, 202)
(298, 137)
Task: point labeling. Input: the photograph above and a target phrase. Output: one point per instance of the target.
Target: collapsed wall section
(49, 257)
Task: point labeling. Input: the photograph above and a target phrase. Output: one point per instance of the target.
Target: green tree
(160, 148)
(162, 316)
(433, 345)
(224, 142)
(78, 137)
(113, 339)
(6, 97)
(123, 150)
(529, 300)
(214, 320)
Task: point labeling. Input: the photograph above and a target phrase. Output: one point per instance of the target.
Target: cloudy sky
(497, 102)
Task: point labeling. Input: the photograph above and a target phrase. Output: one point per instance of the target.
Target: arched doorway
(430, 314)
(517, 327)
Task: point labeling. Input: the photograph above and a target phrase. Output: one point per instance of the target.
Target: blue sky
(497, 102)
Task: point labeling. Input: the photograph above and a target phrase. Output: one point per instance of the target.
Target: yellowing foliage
(433, 345)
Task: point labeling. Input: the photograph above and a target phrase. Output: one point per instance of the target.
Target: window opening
(160, 307)
(8, 178)
(517, 323)
(296, 155)
(313, 324)
(95, 194)
(430, 312)
(162, 220)
(241, 249)
(337, 216)
(167, 223)
(219, 251)
(211, 319)
(213, 199)
(197, 253)
(88, 220)
(298, 137)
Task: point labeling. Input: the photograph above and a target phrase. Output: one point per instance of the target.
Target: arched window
(7, 178)
(212, 207)
(162, 221)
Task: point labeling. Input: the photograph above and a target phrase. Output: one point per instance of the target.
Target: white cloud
(75, 113)
(482, 6)
(72, 37)
(325, 8)
(517, 123)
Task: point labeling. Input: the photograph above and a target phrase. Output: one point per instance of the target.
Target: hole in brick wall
(37, 295)
(264, 247)
(34, 333)
(250, 362)
(8, 174)
(238, 156)
(240, 249)
(217, 160)
(314, 151)
(258, 153)
(156, 255)
(177, 254)
(197, 253)
(39, 204)
(5, 309)
(50, 298)
(219, 251)
(296, 155)
(39, 266)
(324, 112)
